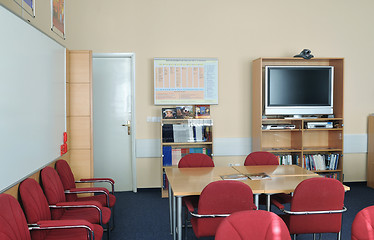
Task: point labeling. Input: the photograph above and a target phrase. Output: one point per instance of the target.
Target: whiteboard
(185, 81)
(32, 99)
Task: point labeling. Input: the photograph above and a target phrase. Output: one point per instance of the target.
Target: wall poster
(185, 81)
(27, 5)
(58, 17)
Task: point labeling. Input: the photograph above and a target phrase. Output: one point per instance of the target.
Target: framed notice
(58, 17)
(185, 81)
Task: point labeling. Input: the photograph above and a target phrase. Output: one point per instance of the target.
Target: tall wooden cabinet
(370, 164)
(79, 112)
(299, 142)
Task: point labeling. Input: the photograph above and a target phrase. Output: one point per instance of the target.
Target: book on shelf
(169, 113)
(202, 111)
(185, 112)
(234, 177)
(258, 176)
(194, 130)
(288, 159)
(320, 162)
(167, 156)
(172, 155)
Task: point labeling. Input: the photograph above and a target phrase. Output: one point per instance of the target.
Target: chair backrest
(53, 189)
(67, 178)
(35, 205)
(222, 197)
(363, 224)
(258, 224)
(317, 194)
(13, 225)
(261, 158)
(195, 160)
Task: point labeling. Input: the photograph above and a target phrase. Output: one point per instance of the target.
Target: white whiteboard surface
(180, 81)
(32, 99)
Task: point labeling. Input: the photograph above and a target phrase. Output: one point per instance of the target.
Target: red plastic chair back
(261, 158)
(13, 225)
(252, 225)
(53, 190)
(195, 160)
(317, 194)
(221, 197)
(67, 178)
(35, 205)
(363, 224)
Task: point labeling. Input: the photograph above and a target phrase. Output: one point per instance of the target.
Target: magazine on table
(234, 177)
(258, 176)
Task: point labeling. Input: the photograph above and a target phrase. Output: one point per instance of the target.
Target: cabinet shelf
(186, 143)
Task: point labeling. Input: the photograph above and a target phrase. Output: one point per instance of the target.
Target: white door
(112, 86)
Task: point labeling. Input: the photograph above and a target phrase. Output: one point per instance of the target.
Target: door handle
(128, 125)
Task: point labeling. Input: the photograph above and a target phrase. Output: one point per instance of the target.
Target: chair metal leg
(294, 236)
(339, 235)
(314, 236)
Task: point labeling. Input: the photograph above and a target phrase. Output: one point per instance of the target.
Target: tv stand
(299, 143)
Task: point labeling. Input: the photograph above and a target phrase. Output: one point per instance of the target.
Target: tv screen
(298, 90)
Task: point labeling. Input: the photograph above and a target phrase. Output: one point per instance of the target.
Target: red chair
(261, 158)
(195, 160)
(316, 207)
(102, 195)
(363, 225)
(217, 200)
(94, 212)
(252, 225)
(266, 158)
(13, 225)
(67, 178)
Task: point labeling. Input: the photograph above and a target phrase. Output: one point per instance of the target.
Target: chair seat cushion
(90, 215)
(100, 198)
(73, 234)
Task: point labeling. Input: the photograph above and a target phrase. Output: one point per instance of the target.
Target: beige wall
(235, 32)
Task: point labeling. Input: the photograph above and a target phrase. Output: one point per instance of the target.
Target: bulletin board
(185, 81)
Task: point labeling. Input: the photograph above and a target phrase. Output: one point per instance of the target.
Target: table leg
(174, 219)
(179, 215)
(170, 211)
(257, 200)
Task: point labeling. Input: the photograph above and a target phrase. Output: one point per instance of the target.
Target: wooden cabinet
(370, 166)
(183, 136)
(300, 143)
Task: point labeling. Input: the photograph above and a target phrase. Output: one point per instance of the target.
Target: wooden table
(191, 181)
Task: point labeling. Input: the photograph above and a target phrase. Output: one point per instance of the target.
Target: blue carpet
(145, 215)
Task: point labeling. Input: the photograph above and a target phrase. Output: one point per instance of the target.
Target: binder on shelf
(167, 159)
(167, 133)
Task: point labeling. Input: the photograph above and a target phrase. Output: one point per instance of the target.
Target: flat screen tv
(299, 90)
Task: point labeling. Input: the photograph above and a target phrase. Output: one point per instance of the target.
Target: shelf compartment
(281, 140)
(323, 139)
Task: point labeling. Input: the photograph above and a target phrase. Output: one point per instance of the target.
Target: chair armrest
(64, 224)
(83, 204)
(277, 204)
(209, 215)
(98, 180)
(90, 190)
(191, 210)
(95, 180)
(315, 212)
(189, 205)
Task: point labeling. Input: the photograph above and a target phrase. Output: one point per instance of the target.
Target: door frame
(133, 112)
